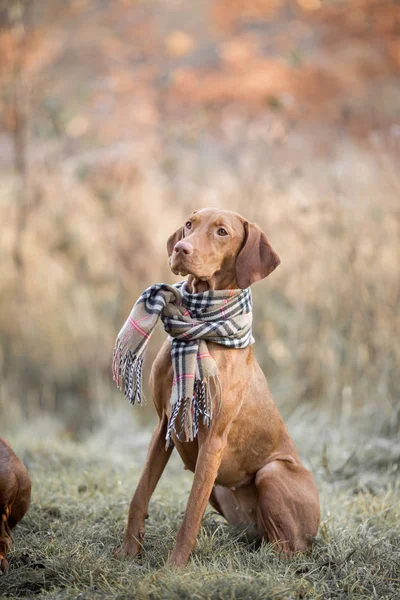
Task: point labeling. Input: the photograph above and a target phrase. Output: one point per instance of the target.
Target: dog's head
(221, 248)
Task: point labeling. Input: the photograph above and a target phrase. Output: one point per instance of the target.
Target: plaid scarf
(223, 317)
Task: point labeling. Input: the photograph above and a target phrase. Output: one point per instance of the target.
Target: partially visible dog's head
(220, 249)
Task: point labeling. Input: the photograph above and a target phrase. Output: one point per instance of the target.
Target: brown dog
(246, 464)
(15, 496)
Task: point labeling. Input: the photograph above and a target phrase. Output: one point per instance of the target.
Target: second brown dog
(15, 496)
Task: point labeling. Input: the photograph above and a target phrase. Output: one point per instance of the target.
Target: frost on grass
(81, 492)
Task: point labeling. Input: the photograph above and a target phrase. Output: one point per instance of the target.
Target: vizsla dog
(245, 464)
(15, 496)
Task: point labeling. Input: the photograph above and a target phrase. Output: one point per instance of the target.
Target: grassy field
(117, 120)
(81, 491)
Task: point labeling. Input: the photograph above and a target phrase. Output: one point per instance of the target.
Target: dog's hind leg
(288, 506)
(215, 501)
(239, 507)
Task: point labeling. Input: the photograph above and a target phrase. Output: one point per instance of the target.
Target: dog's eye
(188, 224)
(222, 231)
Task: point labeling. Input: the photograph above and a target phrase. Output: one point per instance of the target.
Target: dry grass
(327, 322)
(64, 547)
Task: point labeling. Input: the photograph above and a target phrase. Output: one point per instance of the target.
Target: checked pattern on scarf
(191, 320)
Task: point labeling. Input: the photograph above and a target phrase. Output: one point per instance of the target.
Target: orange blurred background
(118, 119)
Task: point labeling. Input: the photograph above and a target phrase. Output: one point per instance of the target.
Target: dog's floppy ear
(256, 259)
(173, 239)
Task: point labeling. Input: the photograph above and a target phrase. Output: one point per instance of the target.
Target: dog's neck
(221, 280)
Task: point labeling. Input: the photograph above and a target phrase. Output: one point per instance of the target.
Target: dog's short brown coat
(15, 496)
(246, 464)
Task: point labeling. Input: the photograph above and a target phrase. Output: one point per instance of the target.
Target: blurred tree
(16, 24)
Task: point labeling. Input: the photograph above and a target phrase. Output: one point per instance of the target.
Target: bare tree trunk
(20, 140)
(21, 26)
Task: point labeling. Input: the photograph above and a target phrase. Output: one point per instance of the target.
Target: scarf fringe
(127, 369)
(201, 404)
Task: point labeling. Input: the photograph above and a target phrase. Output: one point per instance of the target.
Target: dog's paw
(177, 560)
(129, 548)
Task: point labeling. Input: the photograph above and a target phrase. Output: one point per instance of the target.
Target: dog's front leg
(157, 458)
(207, 465)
